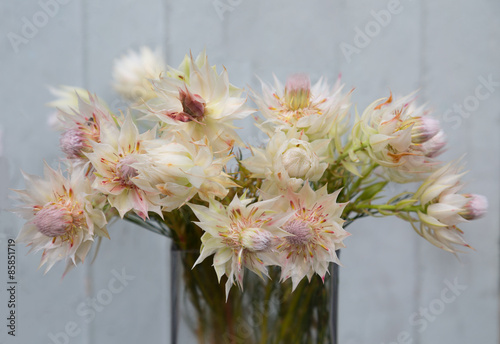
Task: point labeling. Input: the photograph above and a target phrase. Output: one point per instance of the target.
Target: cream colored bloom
(113, 160)
(287, 161)
(199, 101)
(241, 235)
(399, 137)
(67, 99)
(315, 233)
(445, 208)
(132, 74)
(83, 126)
(64, 216)
(318, 110)
(179, 169)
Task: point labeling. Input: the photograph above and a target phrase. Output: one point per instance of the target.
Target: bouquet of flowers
(174, 163)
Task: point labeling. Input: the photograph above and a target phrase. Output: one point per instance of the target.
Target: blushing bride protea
(279, 210)
(133, 71)
(318, 110)
(241, 235)
(315, 234)
(198, 100)
(445, 208)
(402, 138)
(113, 160)
(287, 161)
(64, 216)
(178, 169)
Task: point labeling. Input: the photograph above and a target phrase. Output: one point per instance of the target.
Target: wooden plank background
(390, 275)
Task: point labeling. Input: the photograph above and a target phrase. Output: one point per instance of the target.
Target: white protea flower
(315, 233)
(400, 138)
(444, 208)
(67, 98)
(199, 101)
(113, 160)
(132, 73)
(241, 235)
(287, 161)
(64, 216)
(179, 169)
(318, 110)
(84, 125)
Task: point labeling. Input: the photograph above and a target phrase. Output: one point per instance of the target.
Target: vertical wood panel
(138, 313)
(389, 272)
(378, 282)
(462, 46)
(52, 56)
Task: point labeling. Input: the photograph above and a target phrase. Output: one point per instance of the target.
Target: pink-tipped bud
(256, 239)
(53, 220)
(73, 143)
(301, 232)
(298, 91)
(424, 129)
(435, 146)
(125, 170)
(476, 207)
(193, 105)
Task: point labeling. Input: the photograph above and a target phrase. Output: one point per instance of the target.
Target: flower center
(301, 232)
(298, 91)
(73, 143)
(53, 220)
(255, 239)
(193, 105)
(125, 171)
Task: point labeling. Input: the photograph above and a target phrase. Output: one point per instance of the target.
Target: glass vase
(267, 311)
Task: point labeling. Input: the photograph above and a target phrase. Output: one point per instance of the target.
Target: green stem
(344, 155)
(286, 325)
(267, 300)
(393, 207)
(354, 189)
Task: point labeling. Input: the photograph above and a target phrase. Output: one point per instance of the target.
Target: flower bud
(73, 143)
(435, 145)
(192, 104)
(256, 239)
(476, 207)
(297, 162)
(424, 129)
(53, 220)
(298, 91)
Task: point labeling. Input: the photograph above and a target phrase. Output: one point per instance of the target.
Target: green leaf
(371, 191)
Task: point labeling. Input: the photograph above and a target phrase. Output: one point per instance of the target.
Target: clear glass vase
(265, 312)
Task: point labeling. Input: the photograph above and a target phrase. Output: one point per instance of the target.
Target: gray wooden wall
(390, 275)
